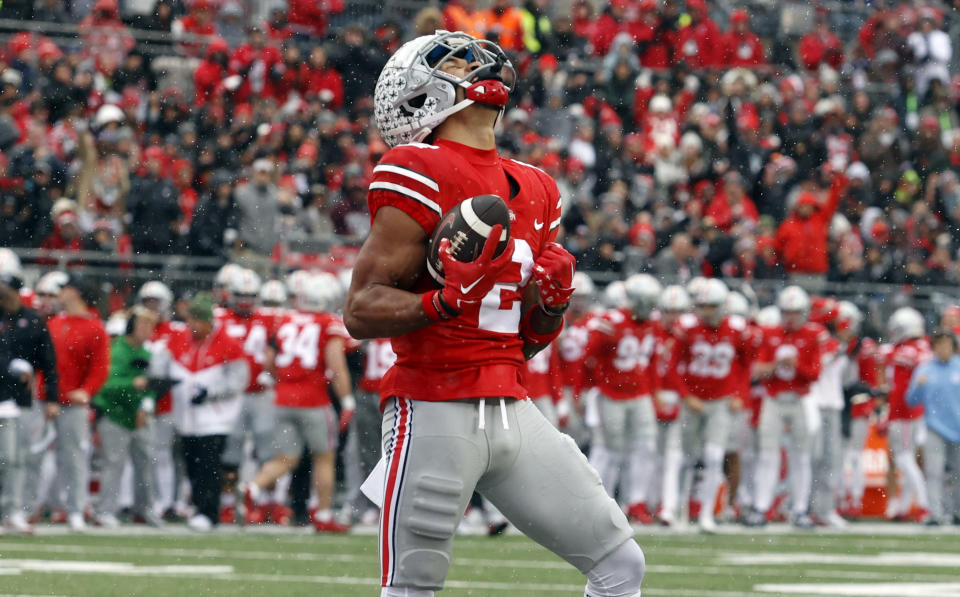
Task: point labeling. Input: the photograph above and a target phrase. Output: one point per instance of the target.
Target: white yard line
(886, 559)
(951, 589)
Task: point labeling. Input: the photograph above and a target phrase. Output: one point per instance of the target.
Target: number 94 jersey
(478, 354)
(300, 369)
(626, 352)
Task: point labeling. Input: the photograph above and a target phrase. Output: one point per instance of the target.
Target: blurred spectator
(209, 79)
(699, 41)
(214, 225)
(802, 237)
(195, 26)
(257, 210)
(731, 205)
(104, 34)
(349, 212)
(161, 17)
(503, 25)
(678, 260)
(154, 212)
(741, 46)
(462, 15)
(821, 46)
(311, 17)
(932, 51)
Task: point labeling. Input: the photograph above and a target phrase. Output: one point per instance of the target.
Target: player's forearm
(544, 324)
(380, 311)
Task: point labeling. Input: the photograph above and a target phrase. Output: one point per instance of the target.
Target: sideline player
(454, 414)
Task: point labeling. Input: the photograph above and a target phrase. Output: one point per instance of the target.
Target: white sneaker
(18, 523)
(707, 524)
(370, 517)
(107, 521)
(76, 523)
(667, 518)
(200, 523)
(835, 520)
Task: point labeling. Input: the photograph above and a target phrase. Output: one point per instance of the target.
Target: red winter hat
(807, 198)
(20, 42)
(575, 164)
(47, 50)
(154, 153)
(307, 151)
(824, 310)
(739, 16)
(550, 160)
(548, 62)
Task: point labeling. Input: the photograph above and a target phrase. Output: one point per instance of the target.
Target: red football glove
(348, 406)
(467, 283)
(553, 272)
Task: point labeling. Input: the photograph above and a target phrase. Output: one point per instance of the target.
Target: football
(467, 226)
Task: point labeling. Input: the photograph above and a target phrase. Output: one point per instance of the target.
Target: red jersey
(380, 357)
(900, 363)
(253, 333)
(715, 360)
(160, 343)
(667, 373)
(478, 354)
(866, 355)
(541, 375)
(301, 373)
(743, 50)
(804, 344)
(572, 349)
(82, 347)
(626, 355)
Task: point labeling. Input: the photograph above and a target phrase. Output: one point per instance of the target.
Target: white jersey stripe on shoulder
(412, 174)
(389, 186)
(527, 165)
(555, 223)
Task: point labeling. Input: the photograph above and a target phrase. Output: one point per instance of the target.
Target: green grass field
(874, 560)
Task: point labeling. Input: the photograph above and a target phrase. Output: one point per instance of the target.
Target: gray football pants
(20, 485)
(938, 454)
(116, 444)
(8, 451)
(437, 453)
(827, 463)
(73, 456)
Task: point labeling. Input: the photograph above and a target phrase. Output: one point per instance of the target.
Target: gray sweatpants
(20, 486)
(362, 449)
(258, 417)
(8, 450)
(827, 463)
(937, 456)
(73, 456)
(437, 453)
(116, 444)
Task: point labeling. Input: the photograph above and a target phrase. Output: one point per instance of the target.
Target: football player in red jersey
(826, 394)
(787, 363)
(455, 418)
(252, 326)
(572, 346)
(714, 353)
(674, 307)
(624, 344)
(541, 377)
(310, 344)
(907, 431)
(379, 357)
(860, 382)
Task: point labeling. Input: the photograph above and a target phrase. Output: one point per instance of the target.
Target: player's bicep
(393, 255)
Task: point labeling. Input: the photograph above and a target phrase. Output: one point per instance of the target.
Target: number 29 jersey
(300, 368)
(478, 354)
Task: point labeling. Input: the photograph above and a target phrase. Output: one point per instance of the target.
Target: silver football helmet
(413, 95)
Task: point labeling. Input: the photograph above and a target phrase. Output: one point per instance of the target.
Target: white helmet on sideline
(906, 323)
(643, 292)
(769, 317)
(674, 298)
(157, 291)
(11, 271)
(273, 294)
(849, 317)
(737, 304)
(615, 295)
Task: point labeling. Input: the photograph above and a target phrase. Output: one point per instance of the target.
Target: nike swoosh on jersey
(466, 289)
(537, 225)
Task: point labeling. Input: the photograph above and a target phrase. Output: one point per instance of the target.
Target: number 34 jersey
(477, 355)
(714, 361)
(300, 369)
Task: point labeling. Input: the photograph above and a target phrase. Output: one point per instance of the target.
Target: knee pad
(619, 574)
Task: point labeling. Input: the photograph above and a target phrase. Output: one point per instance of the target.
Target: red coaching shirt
(478, 354)
(300, 369)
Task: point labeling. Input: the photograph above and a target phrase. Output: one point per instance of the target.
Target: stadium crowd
(230, 407)
(680, 146)
(682, 150)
